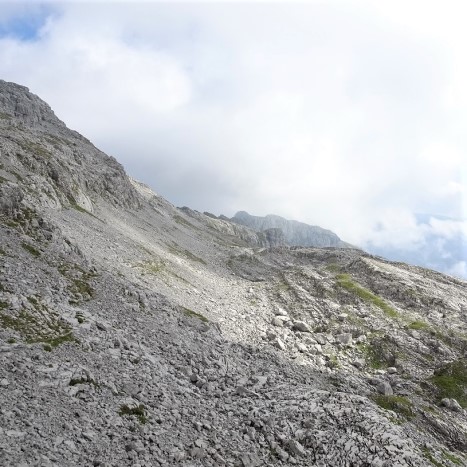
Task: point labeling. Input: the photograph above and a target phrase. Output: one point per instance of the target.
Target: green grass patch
(454, 459)
(23, 218)
(79, 208)
(345, 281)
(152, 267)
(333, 362)
(11, 224)
(193, 314)
(451, 381)
(380, 352)
(55, 141)
(333, 267)
(42, 326)
(427, 454)
(177, 251)
(80, 318)
(182, 221)
(398, 404)
(4, 305)
(2, 252)
(17, 175)
(31, 249)
(35, 148)
(5, 116)
(82, 287)
(193, 257)
(419, 326)
(82, 380)
(146, 250)
(372, 357)
(139, 412)
(79, 284)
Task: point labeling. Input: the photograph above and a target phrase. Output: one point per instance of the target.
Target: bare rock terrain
(134, 333)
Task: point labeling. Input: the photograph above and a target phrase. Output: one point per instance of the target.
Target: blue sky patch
(25, 27)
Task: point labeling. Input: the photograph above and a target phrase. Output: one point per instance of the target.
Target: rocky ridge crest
(295, 233)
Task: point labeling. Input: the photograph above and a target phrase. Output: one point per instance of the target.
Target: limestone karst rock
(295, 233)
(134, 333)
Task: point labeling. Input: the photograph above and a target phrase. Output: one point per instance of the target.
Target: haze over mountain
(133, 333)
(295, 233)
(442, 247)
(349, 114)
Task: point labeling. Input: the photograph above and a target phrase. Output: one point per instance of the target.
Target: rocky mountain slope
(295, 233)
(135, 333)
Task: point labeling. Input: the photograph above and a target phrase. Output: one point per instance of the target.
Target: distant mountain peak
(295, 233)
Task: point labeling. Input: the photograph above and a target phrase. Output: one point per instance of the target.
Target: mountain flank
(134, 333)
(295, 233)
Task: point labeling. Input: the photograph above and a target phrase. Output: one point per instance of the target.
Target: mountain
(295, 233)
(134, 333)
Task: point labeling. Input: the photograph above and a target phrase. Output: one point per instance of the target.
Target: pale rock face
(301, 326)
(385, 389)
(280, 312)
(294, 233)
(344, 339)
(136, 333)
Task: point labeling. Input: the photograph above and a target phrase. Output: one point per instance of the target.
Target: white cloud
(459, 269)
(448, 228)
(350, 115)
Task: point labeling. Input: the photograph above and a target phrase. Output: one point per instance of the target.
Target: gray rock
(250, 460)
(384, 388)
(296, 448)
(451, 404)
(280, 312)
(301, 326)
(277, 322)
(344, 339)
(279, 344)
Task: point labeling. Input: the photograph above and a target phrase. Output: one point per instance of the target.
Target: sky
(348, 114)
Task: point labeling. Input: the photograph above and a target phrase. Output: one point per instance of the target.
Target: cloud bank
(349, 115)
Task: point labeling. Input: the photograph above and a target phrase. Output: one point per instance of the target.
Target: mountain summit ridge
(295, 233)
(135, 333)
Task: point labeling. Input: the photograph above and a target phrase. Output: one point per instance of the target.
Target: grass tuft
(345, 281)
(451, 381)
(31, 249)
(139, 412)
(418, 326)
(42, 326)
(398, 404)
(193, 314)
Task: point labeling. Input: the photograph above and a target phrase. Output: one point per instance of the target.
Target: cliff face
(62, 167)
(136, 333)
(268, 238)
(295, 233)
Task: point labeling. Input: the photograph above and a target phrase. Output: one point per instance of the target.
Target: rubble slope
(135, 333)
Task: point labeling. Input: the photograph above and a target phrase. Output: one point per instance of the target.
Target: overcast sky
(351, 115)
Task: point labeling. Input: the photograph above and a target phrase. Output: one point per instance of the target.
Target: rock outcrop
(295, 233)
